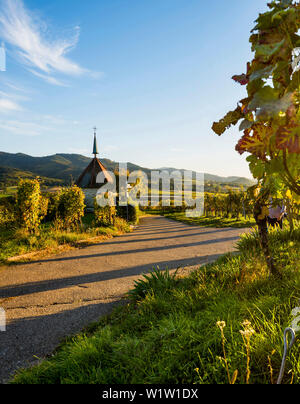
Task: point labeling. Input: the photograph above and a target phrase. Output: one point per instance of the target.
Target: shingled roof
(88, 179)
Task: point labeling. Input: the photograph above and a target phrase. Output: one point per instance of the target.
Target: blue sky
(152, 75)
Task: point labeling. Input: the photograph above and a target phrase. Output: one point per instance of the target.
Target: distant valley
(63, 169)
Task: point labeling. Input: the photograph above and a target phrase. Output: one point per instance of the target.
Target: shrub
(70, 207)
(132, 213)
(44, 202)
(7, 211)
(7, 217)
(104, 216)
(53, 202)
(30, 209)
(121, 225)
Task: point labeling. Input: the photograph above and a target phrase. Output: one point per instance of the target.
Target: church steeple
(95, 147)
(88, 179)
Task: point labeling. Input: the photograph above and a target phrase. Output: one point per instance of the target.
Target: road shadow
(140, 240)
(61, 283)
(190, 230)
(135, 251)
(28, 340)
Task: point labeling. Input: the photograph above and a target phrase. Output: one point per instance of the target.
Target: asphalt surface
(55, 297)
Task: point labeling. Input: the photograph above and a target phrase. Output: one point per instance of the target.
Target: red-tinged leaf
(242, 79)
(255, 141)
(288, 138)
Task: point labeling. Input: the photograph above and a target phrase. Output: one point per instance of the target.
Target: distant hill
(62, 168)
(10, 176)
(217, 179)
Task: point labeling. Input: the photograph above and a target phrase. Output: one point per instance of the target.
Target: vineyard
(225, 321)
(32, 220)
(234, 205)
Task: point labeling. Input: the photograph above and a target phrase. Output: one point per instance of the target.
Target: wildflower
(246, 333)
(221, 324)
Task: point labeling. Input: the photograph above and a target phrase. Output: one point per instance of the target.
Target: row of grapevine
(30, 207)
(64, 209)
(233, 204)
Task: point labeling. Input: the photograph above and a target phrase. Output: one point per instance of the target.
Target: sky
(151, 75)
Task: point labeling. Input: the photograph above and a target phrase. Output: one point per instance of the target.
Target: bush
(7, 211)
(132, 213)
(53, 202)
(7, 217)
(70, 207)
(121, 225)
(104, 216)
(30, 209)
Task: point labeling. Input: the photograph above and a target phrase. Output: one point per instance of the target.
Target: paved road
(55, 297)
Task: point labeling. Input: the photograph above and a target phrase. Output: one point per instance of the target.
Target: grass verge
(17, 246)
(221, 324)
(208, 221)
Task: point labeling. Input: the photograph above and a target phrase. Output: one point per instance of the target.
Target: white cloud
(27, 34)
(9, 102)
(8, 105)
(14, 87)
(49, 79)
(13, 97)
(23, 128)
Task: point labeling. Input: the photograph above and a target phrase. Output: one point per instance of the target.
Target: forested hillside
(64, 168)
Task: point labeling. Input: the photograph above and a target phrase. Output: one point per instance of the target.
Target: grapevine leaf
(262, 73)
(255, 141)
(242, 79)
(288, 137)
(257, 167)
(268, 50)
(229, 119)
(263, 96)
(266, 101)
(274, 166)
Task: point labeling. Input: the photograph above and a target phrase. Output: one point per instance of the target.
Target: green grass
(210, 221)
(16, 242)
(167, 333)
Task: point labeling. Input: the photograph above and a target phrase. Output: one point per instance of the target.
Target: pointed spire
(95, 147)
